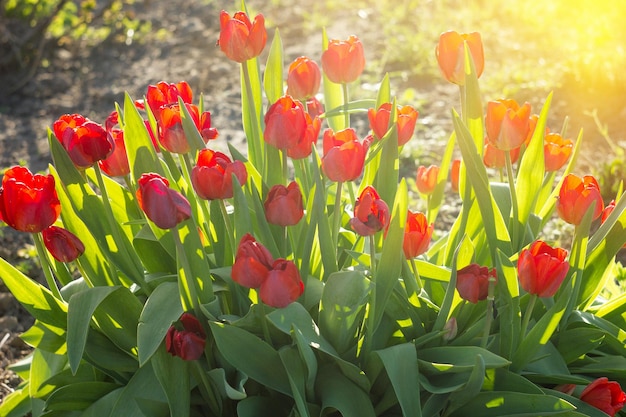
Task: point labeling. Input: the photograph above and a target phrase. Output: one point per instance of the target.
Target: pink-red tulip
(507, 124)
(85, 141)
(379, 121)
(241, 39)
(576, 196)
(171, 133)
(426, 179)
(541, 269)
(450, 53)
(344, 155)
(556, 151)
(304, 146)
(283, 205)
(164, 206)
(252, 263)
(62, 244)
(212, 176)
(343, 61)
(285, 123)
(303, 78)
(371, 213)
(472, 282)
(283, 284)
(188, 343)
(417, 234)
(607, 396)
(116, 164)
(163, 94)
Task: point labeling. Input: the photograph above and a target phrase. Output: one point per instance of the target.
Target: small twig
(4, 339)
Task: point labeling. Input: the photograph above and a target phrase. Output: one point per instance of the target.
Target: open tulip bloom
(298, 276)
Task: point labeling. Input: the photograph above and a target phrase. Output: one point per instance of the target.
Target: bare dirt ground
(90, 80)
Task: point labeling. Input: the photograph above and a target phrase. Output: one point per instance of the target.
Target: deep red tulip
(507, 124)
(164, 206)
(116, 164)
(343, 61)
(426, 179)
(62, 244)
(252, 263)
(283, 205)
(283, 284)
(241, 39)
(556, 151)
(163, 94)
(371, 214)
(495, 158)
(304, 145)
(472, 282)
(379, 121)
(607, 396)
(344, 155)
(417, 234)
(542, 268)
(28, 202)
(212, 176)
(303, 78)
(85, 141)
(450, 54)
(455, 173)
(285, 123)
(576, 196)
(188, 343)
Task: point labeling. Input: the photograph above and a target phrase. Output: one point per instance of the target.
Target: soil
(90, 80)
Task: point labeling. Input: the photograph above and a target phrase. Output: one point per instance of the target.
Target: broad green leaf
(472, 387)
(142, 386)
(320, 218)
(44, 366)
(103, 407)
(386, 181)
(142, 156)
(16, 404)
(46, 337)
(501, 379)
(456, 359)
(236, 392)
(261, 406)
(78, 396)
(173, 375)
(508, 305)
(384, 93)
(273, 76)
(471, 102)
(251, 105)
(197, 260)
(400, 362)
(356, 106)
(339, 393)
(584, 408)
(194, 139)
(296, 372)
(104, 355)
(503, 403)
(577, 341)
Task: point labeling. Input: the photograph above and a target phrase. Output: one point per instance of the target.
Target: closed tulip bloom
(304, 146)
(285, 123)
(283, 285)
(407, 118)
(556, 151)
(379, 121)
(85, 141)
(314, 107)
(455, 173)
(188, 343)
(371, 214)
(171, 133)
(426, 179)
(607, 396)
(472, 282)
(62, 244)
(495, 158)
(28, 202)
(417, 234)
(204, 127)
(344, 155)
(252, 263)
(507, 124)
(212, 176)
(241, 39)
(283, 205)
(343, 61)
(576, 196)
(163, 94)
(116, 164)
(541, 269)
(163, 206)
(450, 53)
(303, 78)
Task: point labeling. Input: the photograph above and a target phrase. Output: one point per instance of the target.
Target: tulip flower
(576, 196)
(85, 141)
(116, 164)
(283, 284)
(426, 179)
(542, 268)
(163, 94)
(241, 39)
(285, 123)
(379, 121)
(495, 158)
(472, 282)
(62, 244)
(283, 205)
(171, 133)
(212, 176)
(304, 146)
(417, 234)
(607, 396)
(455, 173)
(344, 155)
(556, 151)
(163, 206)
(343, 61)
(252, 263)
(28, 202)
(314, 107)
(450, 52)
(303, 78)
(188, 343)
(507, 124)
(206, 130)
(371, 214)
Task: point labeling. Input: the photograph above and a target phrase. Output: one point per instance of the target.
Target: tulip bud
(343, 61)
(507, 124)
(212, 176)
(605, 395)
(371, 214)
(164, 206)
(541, 269)
(426, 180)
(85, 141)
(472, 282)
(163, 94)
(417, 234)
(116, 164)
(576, 196)
(450, 54)
(556, 151)
(188, 344)
(252, 263)
(344, 155)
(283, 285)
(241, 39)
(455, 173)
(62, 244)
(303, 78)
(283, 205)
(285, 123)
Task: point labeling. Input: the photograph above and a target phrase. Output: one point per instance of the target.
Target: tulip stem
(264, 326)
(515, 219)
(416, 273)
(45, 265)
(254, 145)
(229, 227)
(207, 391)
(346, 98)
(370, 320)
(489, 313)
(528, 313)
(337, 214)
(190, 292)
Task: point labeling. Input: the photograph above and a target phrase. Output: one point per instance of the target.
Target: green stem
(228, 226)
(514, 205)
(337, 214)
(45, 265)
(255, 141)
(527, 314)
(489, 313)
(207, 391)
(264, 326)
(418, 280)
(370, 320)
(191, 293)
(346, 98)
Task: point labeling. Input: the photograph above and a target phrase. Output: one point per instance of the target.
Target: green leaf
(16, 404)
(333, 94)
(260, 406)
(236, 392)
(273, 77)
(356, 106)
(44, 366)
(194, 139)
(296, 372)
(584, 408)
(400, 362)
(472, 387)
(45, 337)
(339, 393)
(578, 341)
(173, 375)
(456, 359)
(142, 386)
(503, 403)
(508, 305)
(78, 396)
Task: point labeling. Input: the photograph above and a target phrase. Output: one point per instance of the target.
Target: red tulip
(283, 205)
(303, 78)
(450, 54)
(542, 268)
(495, 158)
(212, 176)
(304, 146)
(164, 94)
(188, 344)
(507, 124)
(472, 282)
(607, 211)
(343, 61)
(283, 284)
(344, 155)
(85, 141)
(455, 173)
(556, 151)
(379, 121)
(116, 164)
(607, 396)
(164, 206)
(314, 107)
(62, 244)
(171, 133)
(28, 203)
(371, 214)
(417, 234)
(241, 39)
(252, 263)
(285, 123)
(426, 180)
(206, 131)
(576, 196)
